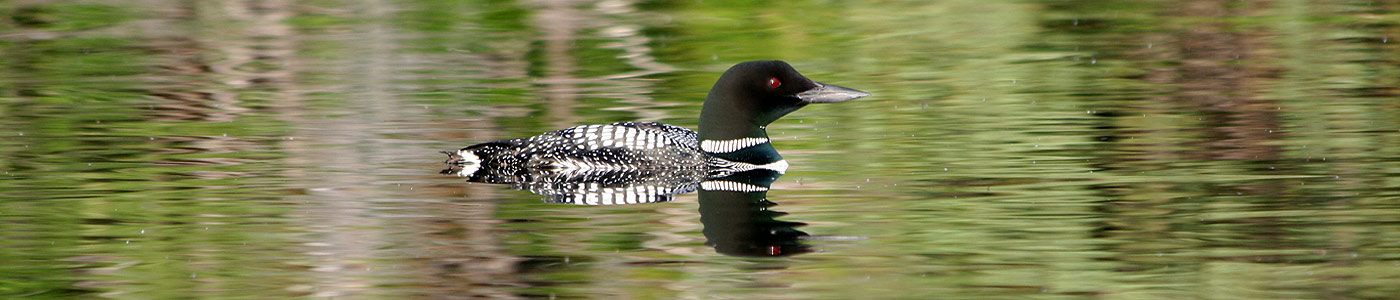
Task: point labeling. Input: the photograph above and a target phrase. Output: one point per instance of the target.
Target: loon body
(732, 134)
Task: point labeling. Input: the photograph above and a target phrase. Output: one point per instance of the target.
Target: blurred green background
(160, 149)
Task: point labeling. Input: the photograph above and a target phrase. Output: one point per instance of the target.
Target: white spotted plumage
(624, 146)
(593, 137)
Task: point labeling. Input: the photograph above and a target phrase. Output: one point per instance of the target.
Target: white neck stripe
(726, 146)
(731, 186)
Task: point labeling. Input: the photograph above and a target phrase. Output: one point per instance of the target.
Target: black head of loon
(748, 97)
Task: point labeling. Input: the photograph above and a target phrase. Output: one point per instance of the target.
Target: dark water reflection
(734, 208)
(277, 149)
(738, 220)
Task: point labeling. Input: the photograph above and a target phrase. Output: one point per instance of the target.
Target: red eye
(773, 82)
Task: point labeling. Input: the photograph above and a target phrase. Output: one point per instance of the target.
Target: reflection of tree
(1213, 79)
(561, 23)
(1216, 80)
(186, 91)
(448, 250)
(1195, 70)
(124, 93)
(258, 57)
(1222, 68)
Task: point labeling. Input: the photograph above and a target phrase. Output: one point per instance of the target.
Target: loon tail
(453, 158)
(490, 155)
(463, 163)
(475, 154)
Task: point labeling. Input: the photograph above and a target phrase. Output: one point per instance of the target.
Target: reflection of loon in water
(733, 206)
(729, 160)
(592, 187)
(734, 210)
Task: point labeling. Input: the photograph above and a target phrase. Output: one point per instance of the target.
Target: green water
(1012, 149)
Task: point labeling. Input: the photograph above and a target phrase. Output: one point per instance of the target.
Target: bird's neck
(735, 131)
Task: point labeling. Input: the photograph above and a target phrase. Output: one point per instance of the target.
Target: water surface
(1012, 149)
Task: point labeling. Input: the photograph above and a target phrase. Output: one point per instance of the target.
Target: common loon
(732, 134)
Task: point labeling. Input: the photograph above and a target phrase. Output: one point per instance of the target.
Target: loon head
(748, 97)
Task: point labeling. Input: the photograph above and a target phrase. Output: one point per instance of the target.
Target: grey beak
(826, 93)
